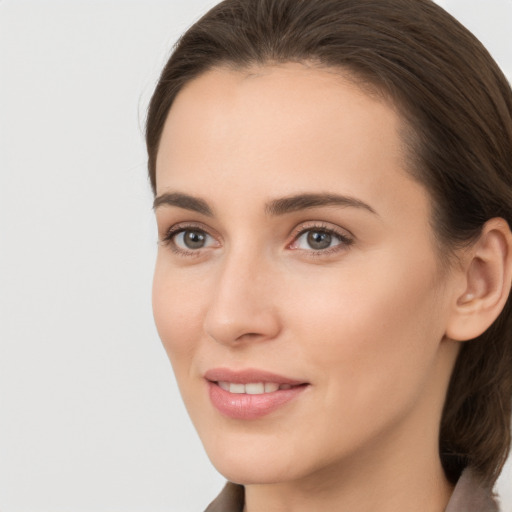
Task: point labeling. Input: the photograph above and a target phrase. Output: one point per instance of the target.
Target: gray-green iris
(194, 239)
(319, 240)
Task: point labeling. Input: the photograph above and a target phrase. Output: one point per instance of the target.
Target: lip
(249, 407)
(247, 376)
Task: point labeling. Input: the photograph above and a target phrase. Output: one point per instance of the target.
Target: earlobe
(487, 272)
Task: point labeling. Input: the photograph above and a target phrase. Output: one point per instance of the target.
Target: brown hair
(457, 106)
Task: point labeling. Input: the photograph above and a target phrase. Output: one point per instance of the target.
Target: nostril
(249, 336)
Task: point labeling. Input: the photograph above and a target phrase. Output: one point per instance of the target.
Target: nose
(243, 306)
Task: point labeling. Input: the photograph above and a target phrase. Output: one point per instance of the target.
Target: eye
(316, 240)
(191, 239)
(186, 240)
(320, 239)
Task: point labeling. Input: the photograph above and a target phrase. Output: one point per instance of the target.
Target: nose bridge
(242, 306)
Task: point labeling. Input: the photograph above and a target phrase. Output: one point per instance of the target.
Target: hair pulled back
(457, 108)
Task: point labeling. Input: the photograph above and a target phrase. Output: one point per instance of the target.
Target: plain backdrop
(90, 416)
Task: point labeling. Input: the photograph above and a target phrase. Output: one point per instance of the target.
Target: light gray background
(90, 417)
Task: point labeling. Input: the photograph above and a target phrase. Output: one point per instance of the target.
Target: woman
(333, 193)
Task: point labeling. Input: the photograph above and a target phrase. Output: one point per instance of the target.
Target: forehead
(290, 127)
(290, 101)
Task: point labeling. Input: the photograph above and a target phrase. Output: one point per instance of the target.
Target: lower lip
(242, 406)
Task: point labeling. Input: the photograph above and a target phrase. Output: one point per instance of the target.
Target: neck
(384, 485)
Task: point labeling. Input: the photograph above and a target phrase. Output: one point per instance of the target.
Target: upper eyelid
(184, 226)
(303, 226)
(321, 226)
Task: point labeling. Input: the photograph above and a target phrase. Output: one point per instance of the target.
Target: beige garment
(469, 496)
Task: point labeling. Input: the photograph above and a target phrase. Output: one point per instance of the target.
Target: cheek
(177, 311)
(374, 331)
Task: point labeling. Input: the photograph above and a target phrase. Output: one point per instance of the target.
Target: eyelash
(174, 231)
(344, 239)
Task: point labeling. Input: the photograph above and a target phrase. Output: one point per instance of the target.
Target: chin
(246, 464)
(240, 472)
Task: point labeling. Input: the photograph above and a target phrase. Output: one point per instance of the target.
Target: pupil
(194, 239)
(319, 240)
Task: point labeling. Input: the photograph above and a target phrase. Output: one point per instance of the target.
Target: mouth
(250, 394)
(254, 388)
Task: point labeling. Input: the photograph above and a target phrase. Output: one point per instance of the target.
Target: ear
(486, 282)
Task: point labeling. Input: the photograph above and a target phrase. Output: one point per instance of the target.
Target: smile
(250, 394)
(253, 388)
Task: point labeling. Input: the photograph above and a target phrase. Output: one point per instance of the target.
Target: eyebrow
(275, 207)
(184, 201)
(305, 201)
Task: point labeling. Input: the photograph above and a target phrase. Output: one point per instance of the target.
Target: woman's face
(297, 288)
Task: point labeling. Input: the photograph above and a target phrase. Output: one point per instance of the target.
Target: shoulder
(471, 495)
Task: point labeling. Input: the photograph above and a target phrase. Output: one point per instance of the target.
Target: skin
(363, 321)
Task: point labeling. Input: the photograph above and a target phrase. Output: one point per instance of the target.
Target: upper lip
(247, 376)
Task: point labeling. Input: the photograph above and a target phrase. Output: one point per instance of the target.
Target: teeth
(253, 388)
(270, 387)
(237, 388)
(224, 385)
